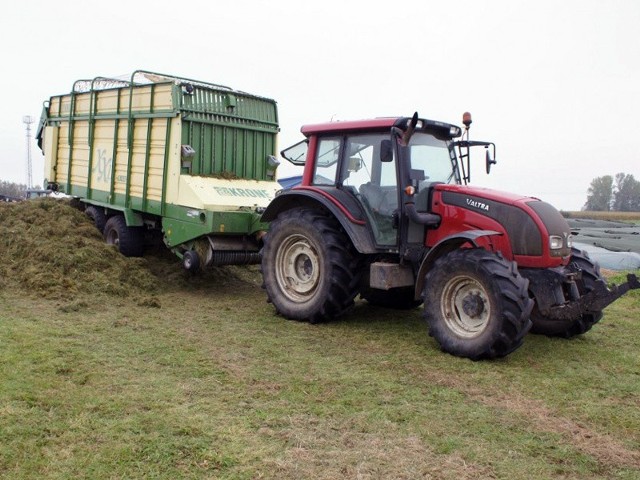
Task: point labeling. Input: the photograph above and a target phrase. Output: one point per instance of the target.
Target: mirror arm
(421, 218)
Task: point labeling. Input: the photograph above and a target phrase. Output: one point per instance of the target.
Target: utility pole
(28, 120)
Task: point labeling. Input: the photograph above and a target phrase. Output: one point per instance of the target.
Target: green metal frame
(232, 132)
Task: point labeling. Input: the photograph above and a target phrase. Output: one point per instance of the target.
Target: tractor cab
(388, 166)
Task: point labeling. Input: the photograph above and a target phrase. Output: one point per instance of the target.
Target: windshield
(434, 157)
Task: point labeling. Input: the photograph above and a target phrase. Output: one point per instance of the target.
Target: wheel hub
(303, 266)
(298, 268)
(472, 305)
(465, 306)
(301, 269)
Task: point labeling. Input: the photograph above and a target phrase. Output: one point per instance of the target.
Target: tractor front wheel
(589, 275)
(476, 304)
(309, 266)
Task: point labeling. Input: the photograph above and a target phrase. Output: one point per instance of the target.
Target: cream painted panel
(50, 153)
(221, 194)
(173, 165)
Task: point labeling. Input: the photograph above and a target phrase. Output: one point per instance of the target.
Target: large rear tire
(129, 240)
(476, 304)
(309, 267)
(590, 274)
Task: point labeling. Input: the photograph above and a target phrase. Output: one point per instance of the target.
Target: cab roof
(383, 123)
(372, 124)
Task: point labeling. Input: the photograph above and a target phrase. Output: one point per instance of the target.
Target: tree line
(618, 194)
(13, 190)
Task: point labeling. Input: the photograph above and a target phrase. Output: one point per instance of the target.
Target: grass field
(121, 368)
(632, 217)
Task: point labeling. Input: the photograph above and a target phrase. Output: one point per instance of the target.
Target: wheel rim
(465, 306)
(298, 268)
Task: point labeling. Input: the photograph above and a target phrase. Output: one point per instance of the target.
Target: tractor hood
(531, 224)
(477, 194)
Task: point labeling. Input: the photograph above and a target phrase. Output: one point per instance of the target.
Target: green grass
(632, 217)
(115, 368)
(213, 385)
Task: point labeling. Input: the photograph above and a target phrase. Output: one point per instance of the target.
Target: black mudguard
(337, 202)
(446, 245)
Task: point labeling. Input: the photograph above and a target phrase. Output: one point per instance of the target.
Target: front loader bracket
(594, 301)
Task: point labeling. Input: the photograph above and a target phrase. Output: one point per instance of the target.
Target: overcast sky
(555, 84)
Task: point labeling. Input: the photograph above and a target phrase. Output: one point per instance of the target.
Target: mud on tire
(309, 267)
(476, 304)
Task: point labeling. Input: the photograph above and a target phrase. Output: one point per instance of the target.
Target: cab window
(327, 161)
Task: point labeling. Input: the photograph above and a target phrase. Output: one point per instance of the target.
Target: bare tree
(14, 190)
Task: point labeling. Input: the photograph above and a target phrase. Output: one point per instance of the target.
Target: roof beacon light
(466, 119)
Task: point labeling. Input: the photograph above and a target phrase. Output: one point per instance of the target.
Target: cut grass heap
(50, 249)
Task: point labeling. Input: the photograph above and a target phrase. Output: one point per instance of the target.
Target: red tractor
(384, 211)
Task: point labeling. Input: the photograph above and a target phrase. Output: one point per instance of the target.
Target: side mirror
(488, 160)
(272, 165)
(386, 151)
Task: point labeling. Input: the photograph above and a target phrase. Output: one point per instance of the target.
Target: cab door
(372, 178)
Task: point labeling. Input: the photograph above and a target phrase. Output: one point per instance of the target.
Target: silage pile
(50, 249)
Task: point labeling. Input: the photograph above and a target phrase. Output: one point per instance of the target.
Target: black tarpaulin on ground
(614, 245)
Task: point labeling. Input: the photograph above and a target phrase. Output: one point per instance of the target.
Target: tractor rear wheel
(476, 304)
(590, 274)
(129, 240)
(309, 266)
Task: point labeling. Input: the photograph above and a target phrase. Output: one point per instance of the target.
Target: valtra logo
(476, 204)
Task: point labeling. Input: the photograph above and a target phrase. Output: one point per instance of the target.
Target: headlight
(555, 242)
(570, 241)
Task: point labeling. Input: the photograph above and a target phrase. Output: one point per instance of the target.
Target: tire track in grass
(606, 450)
(304, 443)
